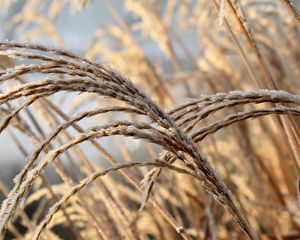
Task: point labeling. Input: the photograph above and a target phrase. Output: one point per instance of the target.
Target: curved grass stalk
(42, 226)
(213, 103)
(233, 118)
(138, 99)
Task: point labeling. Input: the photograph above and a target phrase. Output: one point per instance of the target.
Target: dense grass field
(171, 120)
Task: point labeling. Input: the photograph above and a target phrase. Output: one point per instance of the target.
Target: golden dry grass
(148, 148)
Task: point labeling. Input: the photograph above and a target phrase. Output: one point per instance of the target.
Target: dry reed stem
(216, 102)
(93, 177)
(286, 125)
(233, 118)
(292, 9)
